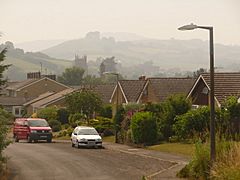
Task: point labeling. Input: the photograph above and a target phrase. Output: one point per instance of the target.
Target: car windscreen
(87, 132)
(38, 123)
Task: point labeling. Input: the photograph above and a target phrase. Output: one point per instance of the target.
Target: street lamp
(212, 103)
(115, 124)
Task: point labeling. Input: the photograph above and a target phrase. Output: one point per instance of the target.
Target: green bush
(48, 113)
(166, 112)
(102, 125)
(76, 119)
(144, 128)
(55, 125)
(192, 123)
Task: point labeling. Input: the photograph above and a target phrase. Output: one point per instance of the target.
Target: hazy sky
(27, 20)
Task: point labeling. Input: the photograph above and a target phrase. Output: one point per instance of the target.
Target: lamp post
(212, 103)
(115, 124)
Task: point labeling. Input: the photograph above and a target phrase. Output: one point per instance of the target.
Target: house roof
(163, 87)
(20, 84)
(104, 91)
(40, 97)
(131, 89)
(12, 101)
(52, 98)
(225, 84)
(28, 82)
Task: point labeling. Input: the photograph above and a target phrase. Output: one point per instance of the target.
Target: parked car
(32, 129)
(83, 136)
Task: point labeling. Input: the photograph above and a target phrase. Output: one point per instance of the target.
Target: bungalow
(150, 90)
(16, 94)
(128, 91)
(32, 88)
(225, 84)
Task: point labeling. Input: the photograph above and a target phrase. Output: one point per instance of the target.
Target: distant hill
(38, 45)
(24, 62)
(123, 36)
(167, 54)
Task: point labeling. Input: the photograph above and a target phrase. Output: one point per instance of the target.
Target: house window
(205, 90)
(145, 92)
(12, 93)
(17, 111)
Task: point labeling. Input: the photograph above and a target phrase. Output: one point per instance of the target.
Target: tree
(2, 66)
(199, 71)
(92, 80)
(85, 102)
(72, 76)
(5, 118)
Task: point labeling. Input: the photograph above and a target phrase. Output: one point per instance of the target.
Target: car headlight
(50, 131)
(99, 139)
(33, 131)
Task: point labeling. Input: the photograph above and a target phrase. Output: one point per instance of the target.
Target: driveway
(60, 161)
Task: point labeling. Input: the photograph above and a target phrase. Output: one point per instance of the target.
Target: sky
(29, 20)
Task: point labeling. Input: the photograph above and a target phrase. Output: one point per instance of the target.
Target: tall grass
(226, 166)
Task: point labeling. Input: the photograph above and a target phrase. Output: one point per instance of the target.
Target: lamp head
(188, 27)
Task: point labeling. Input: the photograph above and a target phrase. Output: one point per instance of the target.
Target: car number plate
(43, 136)
(91, 143)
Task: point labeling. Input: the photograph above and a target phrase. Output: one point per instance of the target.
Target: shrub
(166, 112)
(102, 125)
(144, 128)
(106, 111)
(55, 125)
(48, 113)
(76, 119)
(62, 115)
(194, 122)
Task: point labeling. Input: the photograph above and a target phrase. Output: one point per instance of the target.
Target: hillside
(167, 54)
(23, 62)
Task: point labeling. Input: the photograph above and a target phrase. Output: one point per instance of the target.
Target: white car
(83, 136)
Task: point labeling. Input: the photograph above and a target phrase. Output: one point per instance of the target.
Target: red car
(32, 129)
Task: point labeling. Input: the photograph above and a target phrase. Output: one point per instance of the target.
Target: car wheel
(35, 141)
(49, 140)
(16, 138)
(29, 140)
(73, 145)
(78, 145)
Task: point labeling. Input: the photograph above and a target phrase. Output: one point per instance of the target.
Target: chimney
(142, 78)
(34, 75)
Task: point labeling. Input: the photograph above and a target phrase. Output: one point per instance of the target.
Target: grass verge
(175, 148)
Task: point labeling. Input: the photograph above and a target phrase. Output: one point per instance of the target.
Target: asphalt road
(60, 161)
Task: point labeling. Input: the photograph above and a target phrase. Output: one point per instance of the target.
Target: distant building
(108, 65)
(81, 62)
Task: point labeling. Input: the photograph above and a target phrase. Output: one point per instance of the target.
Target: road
(49, 161)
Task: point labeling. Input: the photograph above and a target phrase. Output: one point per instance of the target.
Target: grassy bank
(175, 148)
